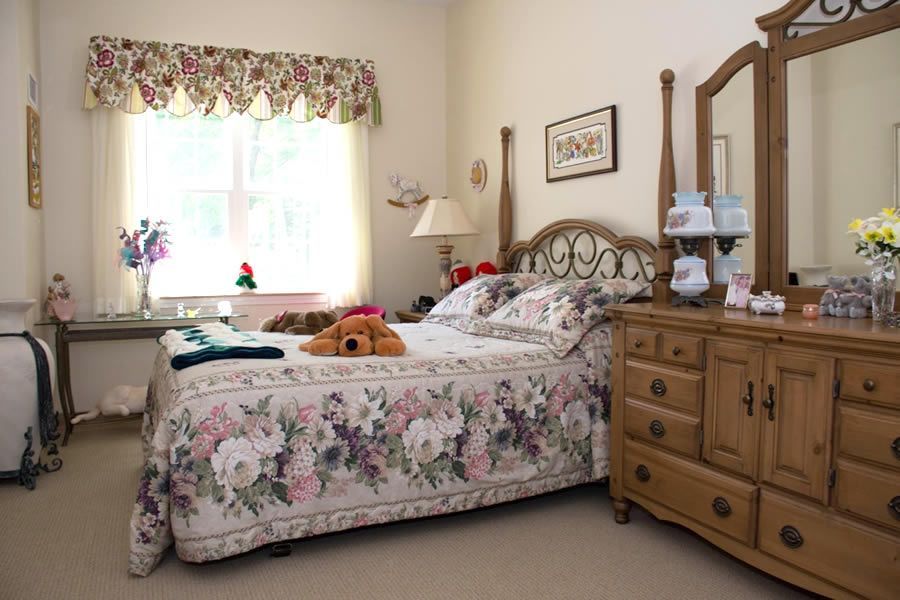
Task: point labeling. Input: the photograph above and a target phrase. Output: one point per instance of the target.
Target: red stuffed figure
(460, 273)
(486, 268)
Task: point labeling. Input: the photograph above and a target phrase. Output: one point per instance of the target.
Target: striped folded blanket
(212, 341)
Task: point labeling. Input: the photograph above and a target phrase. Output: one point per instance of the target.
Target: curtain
(348, 278)
(112, 192)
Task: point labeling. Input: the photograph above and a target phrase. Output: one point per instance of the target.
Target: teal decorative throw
(212, 341)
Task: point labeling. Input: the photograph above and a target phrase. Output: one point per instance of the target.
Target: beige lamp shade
(443, 217)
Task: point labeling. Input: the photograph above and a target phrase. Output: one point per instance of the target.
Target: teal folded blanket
(212, 341)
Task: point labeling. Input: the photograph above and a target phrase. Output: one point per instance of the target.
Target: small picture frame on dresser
(738, 290)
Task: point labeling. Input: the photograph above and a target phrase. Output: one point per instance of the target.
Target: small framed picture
(738, 290)
(582, 145)
(33, 123)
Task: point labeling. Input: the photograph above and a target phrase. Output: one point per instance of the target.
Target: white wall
(21, 238)
(406, 40)
(527, 63)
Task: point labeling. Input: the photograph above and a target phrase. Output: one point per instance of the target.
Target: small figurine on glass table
(245, 280)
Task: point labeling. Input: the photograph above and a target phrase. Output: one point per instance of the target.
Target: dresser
(775, 438)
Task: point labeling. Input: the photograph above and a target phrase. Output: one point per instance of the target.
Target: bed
(244, 453)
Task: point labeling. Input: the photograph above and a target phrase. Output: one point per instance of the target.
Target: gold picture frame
(33, 121)
(582, 145)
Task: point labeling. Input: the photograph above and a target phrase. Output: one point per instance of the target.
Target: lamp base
(444, 251)
(695, 300)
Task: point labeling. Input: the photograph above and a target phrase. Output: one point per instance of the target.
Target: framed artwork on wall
(34, 157)
(582, 145)
(721, 164)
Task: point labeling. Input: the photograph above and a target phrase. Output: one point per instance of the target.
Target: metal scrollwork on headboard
(583, 249)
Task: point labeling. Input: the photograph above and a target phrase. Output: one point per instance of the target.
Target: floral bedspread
(243, 453)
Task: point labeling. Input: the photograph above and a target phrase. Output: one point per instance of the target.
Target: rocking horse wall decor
(409, 193)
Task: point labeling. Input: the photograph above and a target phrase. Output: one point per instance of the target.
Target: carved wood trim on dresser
(775, 438)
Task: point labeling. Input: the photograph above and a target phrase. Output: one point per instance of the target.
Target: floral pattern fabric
(243, 454)
(230, 79)
(479, 297)
(557, 313)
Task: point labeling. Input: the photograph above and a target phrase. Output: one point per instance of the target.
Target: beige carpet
(68, 539)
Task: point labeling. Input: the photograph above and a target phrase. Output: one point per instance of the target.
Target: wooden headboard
(569, 248)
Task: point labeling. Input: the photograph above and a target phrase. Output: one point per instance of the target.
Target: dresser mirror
(842, 105)
(833, 77)
(732, 166)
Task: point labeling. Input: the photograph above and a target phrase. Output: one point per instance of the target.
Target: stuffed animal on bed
(122, 400)
(299, 323)
(356, 336)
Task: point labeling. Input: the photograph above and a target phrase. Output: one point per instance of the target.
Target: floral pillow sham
(477, 298)
(557, 313)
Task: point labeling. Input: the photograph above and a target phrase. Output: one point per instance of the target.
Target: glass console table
(98, 329)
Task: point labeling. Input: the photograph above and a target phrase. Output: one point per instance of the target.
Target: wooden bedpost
(665, 253)
(505, 224)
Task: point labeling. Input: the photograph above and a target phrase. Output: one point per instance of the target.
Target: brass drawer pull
(638, 343)
(769, 403)
(658, 387)
(721, 507)
(748, 399)
(676, 350)
(869, 385)
(642, 473)
(894, 506)
(790, 537)
(657, 429)
(895, 448)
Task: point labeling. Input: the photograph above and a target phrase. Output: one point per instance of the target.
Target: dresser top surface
(790, 321)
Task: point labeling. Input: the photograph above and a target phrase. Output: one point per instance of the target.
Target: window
(236, 190)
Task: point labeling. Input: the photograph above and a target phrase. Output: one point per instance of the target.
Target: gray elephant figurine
(862, 297)
(831, 299)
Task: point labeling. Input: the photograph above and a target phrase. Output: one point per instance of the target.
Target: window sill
(314, 300)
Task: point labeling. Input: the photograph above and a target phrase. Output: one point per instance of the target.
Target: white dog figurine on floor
(122, 400)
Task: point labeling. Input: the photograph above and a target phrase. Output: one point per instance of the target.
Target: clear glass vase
(884, 287)
(143, 296)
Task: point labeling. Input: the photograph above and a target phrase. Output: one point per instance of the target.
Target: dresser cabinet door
(733, 408)
(795, 411)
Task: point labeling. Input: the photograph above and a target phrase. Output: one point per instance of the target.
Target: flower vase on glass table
(140, 251)
(878, 240)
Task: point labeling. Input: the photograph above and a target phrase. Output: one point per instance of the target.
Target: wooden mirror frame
(751, 54)
(782, 48)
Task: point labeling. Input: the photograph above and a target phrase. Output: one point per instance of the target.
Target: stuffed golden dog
(356, 336)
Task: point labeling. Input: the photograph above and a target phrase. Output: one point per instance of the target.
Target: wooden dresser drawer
(663, 427)
(641, 342)
(679, 390)
(870, 382)
(858, 558)
(723, 503)
(870, 434)
(869, 492)
(684, 350)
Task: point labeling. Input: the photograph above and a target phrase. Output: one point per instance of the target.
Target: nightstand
(407, 316)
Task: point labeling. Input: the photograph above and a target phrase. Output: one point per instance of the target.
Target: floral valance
(133, 75)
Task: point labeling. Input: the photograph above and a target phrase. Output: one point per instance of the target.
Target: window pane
(189, 152)
(281, 153)
(282, 233)
(201, 261)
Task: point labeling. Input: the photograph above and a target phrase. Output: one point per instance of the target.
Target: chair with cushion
(365, 310)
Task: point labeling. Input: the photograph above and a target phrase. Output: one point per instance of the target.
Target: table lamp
(442, 218)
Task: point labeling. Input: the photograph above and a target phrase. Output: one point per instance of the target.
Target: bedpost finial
(505, 132)
(667, 77)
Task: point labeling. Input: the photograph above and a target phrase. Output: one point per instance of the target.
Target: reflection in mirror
(842, 104)
(733, 170)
